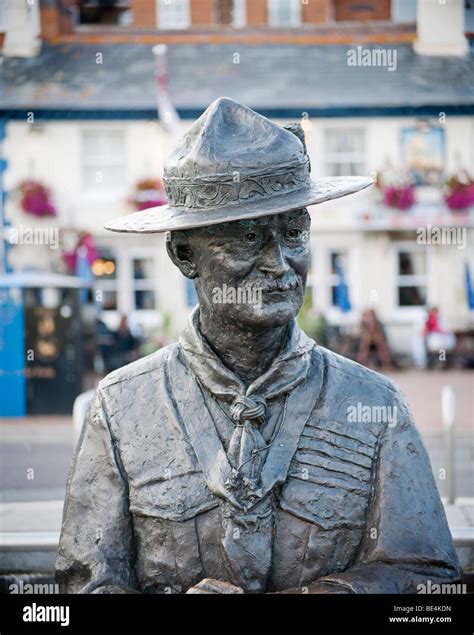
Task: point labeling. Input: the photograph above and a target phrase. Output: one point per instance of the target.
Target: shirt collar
(288, 369)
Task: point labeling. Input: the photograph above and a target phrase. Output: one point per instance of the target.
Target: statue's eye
(294, 234)
(251, 237)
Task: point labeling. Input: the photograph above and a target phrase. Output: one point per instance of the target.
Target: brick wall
(348, 10)
(257, 14)
(316, 11)
(55, 22)
(202, 12)
(144, 14)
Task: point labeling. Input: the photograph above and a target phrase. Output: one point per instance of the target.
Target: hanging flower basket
(148, 193)
(35, 199)
(396, 191)
(459, 192)
(84, 240)
(401, 197)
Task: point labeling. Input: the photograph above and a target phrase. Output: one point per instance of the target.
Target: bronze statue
(246, 458)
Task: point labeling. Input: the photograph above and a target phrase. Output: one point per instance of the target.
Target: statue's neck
(248, 353)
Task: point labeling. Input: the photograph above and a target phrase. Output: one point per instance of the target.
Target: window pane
(283, 13)
(109, 300)
(345, 151)
(112, 176)
(173, 14)
(223, 11)
(103, 158)
(411, 296)
(144, 300)
(143, 268)
(411, 263)
(111, 12)
(345, 140)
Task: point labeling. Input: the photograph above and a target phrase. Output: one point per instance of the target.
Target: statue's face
(253, 272)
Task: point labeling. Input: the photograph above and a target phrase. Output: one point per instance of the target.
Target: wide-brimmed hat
(234, 164)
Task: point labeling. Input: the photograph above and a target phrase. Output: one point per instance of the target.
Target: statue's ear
(180, 252)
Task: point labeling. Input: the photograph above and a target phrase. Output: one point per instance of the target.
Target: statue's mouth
(281, 287)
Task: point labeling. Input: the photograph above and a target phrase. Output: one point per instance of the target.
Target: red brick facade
(321, 24)
(144, 14)
(202, 12)
(257, 12)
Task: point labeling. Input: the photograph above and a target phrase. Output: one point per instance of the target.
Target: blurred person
(373, 341)
(125, 345)
(438, 336)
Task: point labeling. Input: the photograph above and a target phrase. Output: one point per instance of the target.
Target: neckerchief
(246, 492)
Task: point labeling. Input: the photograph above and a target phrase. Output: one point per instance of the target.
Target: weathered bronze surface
(246, 458)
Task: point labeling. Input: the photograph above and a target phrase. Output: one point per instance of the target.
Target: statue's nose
(272, 260)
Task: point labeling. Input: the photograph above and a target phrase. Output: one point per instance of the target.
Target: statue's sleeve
(95, 549)
(407, 539)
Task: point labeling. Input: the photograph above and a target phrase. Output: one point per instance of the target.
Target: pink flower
(36, 199)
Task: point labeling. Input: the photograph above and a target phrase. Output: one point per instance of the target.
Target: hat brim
(167, 218)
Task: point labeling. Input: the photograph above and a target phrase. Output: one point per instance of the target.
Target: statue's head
(238, 187)
(252, 271)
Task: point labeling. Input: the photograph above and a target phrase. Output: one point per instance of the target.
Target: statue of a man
(237, 460)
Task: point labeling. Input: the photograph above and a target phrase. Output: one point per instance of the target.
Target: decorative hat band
(198, 192)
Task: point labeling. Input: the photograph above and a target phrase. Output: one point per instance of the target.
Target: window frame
(418, 280)
(321, 280)
(296, 14)
(239, 14)
(185, 8)
(102, 190)
(341, 158)
(143, 284)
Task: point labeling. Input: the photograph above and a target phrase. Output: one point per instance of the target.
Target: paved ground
(35, 455)
(423, 392)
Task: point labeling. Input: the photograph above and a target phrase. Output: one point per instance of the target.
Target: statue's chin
(267, 315)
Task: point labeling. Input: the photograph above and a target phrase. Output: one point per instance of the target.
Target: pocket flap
(177, 498)
(328, 507)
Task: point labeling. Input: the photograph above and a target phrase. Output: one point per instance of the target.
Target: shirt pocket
(177, 498)
(330, 477)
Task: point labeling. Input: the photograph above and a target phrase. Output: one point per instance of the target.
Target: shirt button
(328, 513)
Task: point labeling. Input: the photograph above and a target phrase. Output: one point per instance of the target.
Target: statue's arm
(407, 539)
(95, 552)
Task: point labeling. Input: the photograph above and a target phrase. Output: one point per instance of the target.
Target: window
(411, 277)
(284, 13)
(230, 12)
(143, 285)
(173, 14)
(103, 159)
(105, 13)
(338, 277)
(345, 151)
(104, 270)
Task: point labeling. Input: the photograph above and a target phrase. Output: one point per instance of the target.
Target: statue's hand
(209, 585)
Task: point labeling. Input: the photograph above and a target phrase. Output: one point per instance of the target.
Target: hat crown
(229, 147)
(229, 135)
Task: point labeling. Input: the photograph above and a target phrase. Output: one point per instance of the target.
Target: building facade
(88, 130)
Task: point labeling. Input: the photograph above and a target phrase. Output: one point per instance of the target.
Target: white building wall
(52, 154)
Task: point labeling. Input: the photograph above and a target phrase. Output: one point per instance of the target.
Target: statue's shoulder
(342, 372)
(153, 365)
